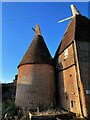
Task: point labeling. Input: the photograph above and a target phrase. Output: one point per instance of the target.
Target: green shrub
(10, 108)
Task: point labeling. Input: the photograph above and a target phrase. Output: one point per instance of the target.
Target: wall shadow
(62, 98)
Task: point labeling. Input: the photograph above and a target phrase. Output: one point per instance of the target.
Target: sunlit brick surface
(35, 86)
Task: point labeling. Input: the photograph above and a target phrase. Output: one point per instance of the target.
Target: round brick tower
(35, 84)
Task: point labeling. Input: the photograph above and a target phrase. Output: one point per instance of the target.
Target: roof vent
(37, 31)
(74, 10)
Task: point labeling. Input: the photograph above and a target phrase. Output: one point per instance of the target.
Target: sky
(18, 18)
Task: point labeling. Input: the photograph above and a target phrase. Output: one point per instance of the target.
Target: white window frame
(66, 53)
(87, 92)
(59, 60)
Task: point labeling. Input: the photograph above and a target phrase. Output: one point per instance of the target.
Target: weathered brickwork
(67, 79)
(72, 61)
(35, 86)
(42, 82)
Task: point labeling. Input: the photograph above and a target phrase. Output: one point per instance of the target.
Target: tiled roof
(37, 53)
(78, 29)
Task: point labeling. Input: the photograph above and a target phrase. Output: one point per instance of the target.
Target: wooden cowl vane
(35, 85)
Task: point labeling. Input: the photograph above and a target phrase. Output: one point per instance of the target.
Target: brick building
(35, 84)
(40, 78)
(72, 60)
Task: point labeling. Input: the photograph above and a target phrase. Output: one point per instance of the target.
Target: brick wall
(67, 81)
(35, 86)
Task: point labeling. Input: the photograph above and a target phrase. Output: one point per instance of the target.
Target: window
(59, 61)
(87, 91)
(72, 103)
(66, 53)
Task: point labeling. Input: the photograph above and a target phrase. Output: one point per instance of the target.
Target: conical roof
(37, 52)
(78, 30)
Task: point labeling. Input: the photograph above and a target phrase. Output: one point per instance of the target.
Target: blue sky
(17, 20)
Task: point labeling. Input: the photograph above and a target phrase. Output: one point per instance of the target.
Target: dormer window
(66, 53)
